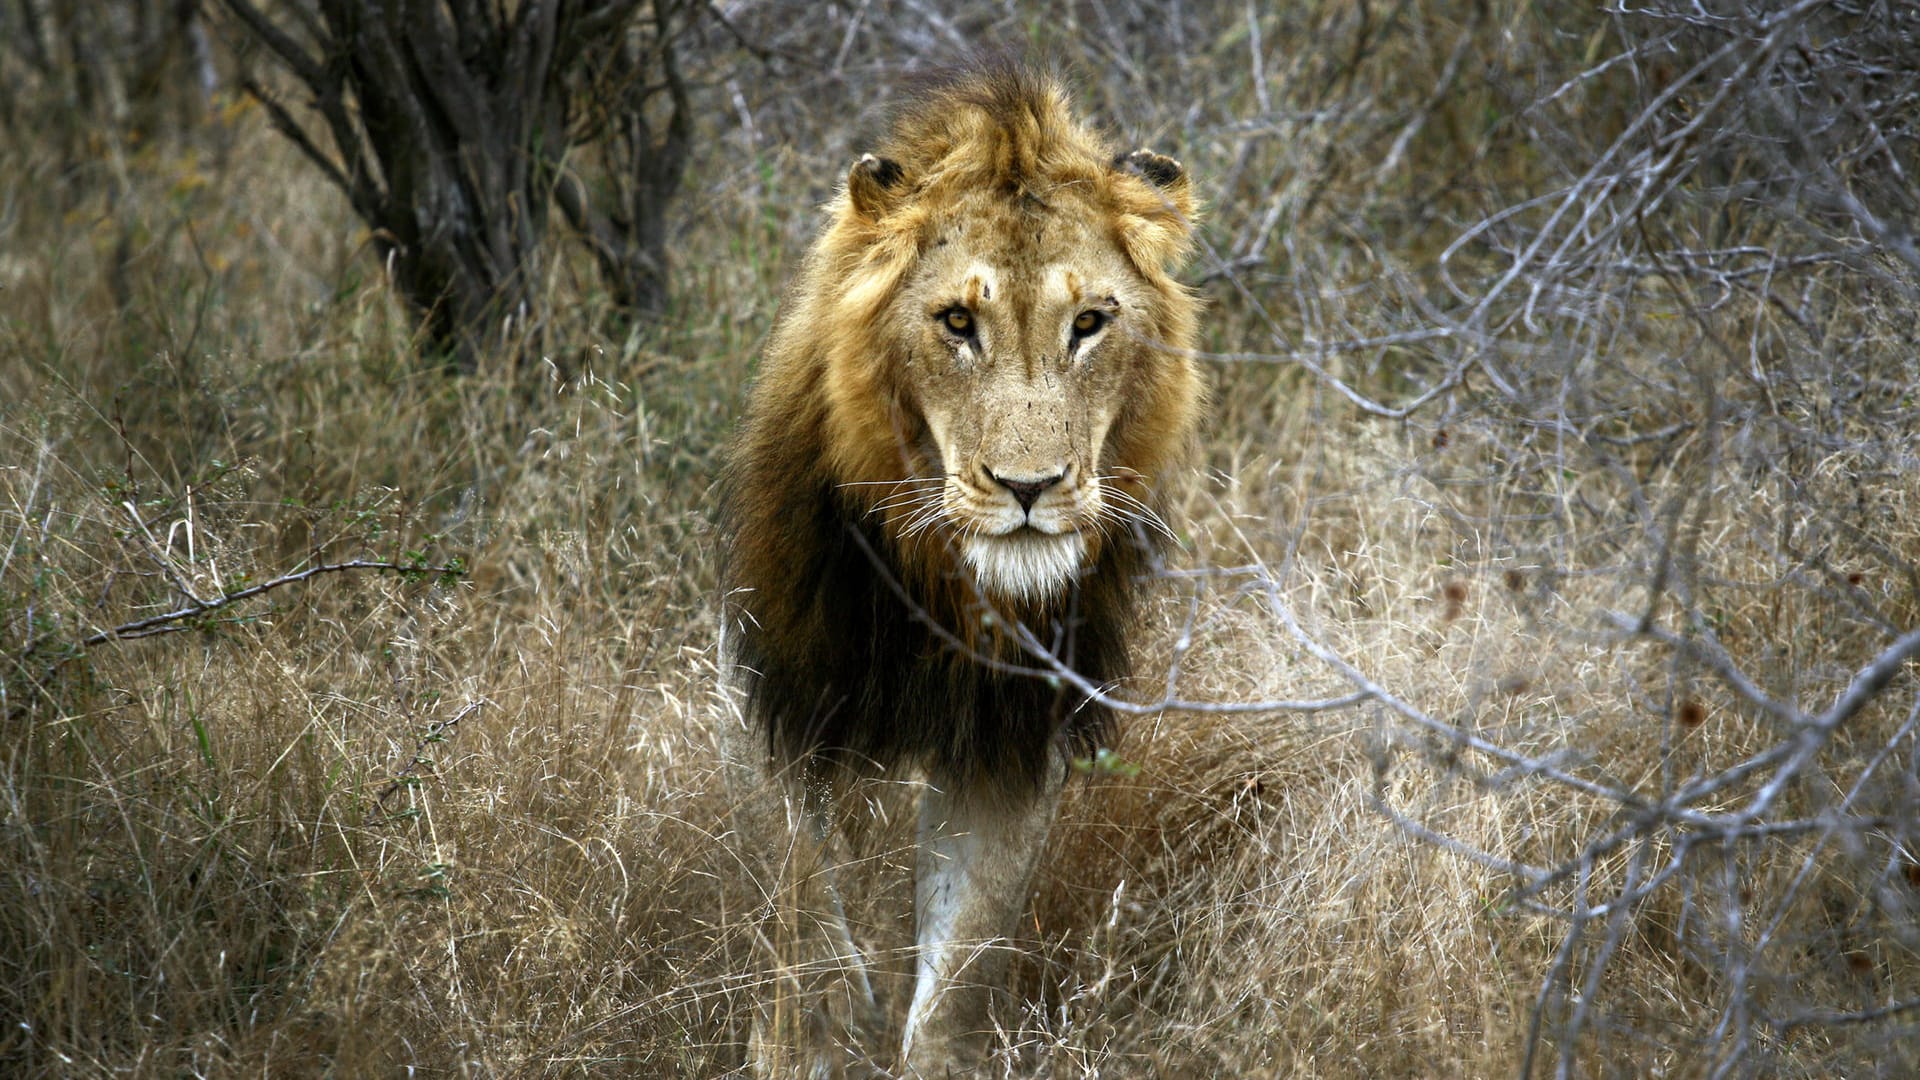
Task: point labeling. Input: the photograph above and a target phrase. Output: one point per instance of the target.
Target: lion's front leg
(976, 861)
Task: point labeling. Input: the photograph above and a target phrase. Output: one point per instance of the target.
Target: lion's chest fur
(855, 663)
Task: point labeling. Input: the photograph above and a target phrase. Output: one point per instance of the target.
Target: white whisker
(907, 492)
(1130, 507)
(924, 516)
(903, 499)
(892, 483)
(925, 520)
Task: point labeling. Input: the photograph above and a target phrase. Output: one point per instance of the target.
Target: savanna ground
(1565, 451)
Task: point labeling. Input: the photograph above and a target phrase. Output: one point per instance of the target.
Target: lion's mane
(860, 650)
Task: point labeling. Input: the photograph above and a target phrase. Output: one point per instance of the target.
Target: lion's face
(1007, 364)
(1026, 331)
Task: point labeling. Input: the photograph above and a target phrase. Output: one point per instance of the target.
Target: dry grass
(495, 826)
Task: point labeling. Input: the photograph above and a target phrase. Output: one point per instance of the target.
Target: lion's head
(1003, 354)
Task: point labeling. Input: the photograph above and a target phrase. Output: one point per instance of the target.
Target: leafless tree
(452, 126)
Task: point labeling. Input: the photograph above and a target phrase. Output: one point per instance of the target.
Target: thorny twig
(179, 618)
(438, 731)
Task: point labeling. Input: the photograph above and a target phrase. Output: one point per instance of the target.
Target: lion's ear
(1164, 171)
(1155, 217)
(873, 185)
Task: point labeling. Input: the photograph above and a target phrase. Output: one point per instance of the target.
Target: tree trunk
(450, 118)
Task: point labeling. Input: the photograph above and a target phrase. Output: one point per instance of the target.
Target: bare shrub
(452, 125)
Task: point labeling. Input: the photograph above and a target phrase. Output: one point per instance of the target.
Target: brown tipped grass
(503, 824)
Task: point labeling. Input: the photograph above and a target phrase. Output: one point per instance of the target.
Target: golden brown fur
(837, 426)
(978, 392)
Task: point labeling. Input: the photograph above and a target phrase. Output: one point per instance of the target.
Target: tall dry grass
(492, 823)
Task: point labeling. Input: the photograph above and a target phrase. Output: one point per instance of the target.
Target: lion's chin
(1025, 565)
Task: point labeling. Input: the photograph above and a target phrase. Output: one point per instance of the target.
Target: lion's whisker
(912, 493)
(903, 499)
(1155, 522)
(923, 518)
(941, 479)
(1132, 508)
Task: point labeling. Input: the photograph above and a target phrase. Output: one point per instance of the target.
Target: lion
(953, 471)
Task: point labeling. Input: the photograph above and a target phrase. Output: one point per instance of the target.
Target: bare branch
(200, 609)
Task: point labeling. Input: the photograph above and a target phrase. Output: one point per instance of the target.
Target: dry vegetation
(1566, 414)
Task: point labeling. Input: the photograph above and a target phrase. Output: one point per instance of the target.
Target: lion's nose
(1026, 491)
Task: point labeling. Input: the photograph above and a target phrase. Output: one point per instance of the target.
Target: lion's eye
(959, 320)
(1088, 323)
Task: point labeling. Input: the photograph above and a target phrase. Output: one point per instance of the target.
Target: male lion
(953, 471)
